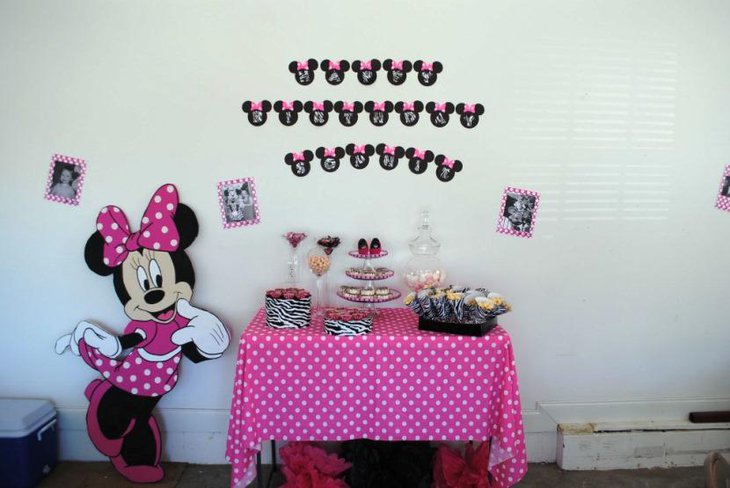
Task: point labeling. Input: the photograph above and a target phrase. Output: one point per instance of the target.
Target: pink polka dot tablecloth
(396, 383)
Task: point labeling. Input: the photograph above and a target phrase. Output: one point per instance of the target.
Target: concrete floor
(179, 475)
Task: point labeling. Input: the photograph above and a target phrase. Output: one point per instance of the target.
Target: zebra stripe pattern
(284, 313)
(349, 328)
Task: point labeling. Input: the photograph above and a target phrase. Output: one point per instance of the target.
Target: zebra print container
(348, 327)
(288, 313)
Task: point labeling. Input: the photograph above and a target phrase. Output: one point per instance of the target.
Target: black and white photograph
(518, 212)
(723, 197)
(726, 187)
(65, 179)
(238, 203)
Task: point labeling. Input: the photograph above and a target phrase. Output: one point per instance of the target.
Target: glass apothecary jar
(424, 269)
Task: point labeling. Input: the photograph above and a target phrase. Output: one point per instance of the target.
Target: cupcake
(382, 291)
(367, 292)
(353, 291)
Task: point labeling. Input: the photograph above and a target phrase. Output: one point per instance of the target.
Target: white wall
(616, 111)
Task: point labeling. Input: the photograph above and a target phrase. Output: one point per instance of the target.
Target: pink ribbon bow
(318, 106)
(419, 154)
(470, 108)
(366, 65)
(379, 107)
(156, 232)
(297, 156)
(257, 106)
(449, 163)
(408, 106)
(349, 106)
(440, 107)
(287, 105)
(334, 65)
(427, 67)
(389, 150)
(359, 150)
(330, 153)
(398, 65)
(302, 65)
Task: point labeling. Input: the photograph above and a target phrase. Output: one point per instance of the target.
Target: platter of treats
(369, 273)
(347, 321)
(457, 309)
(368, 294)
(288, 308)
(360, 255)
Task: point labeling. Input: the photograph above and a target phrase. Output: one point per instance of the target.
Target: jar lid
(424, 243)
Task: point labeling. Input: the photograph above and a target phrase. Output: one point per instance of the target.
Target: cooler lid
(23, 414)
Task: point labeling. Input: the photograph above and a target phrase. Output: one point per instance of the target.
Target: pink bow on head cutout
(366, 65)
(334, 65)
(398, 65)
(389, 150)
(297, 156)
(379, 106)
(157, 231)
(287, 105)
(427, 67)
(302, 65)
(419, 154)
(359, 150)
(449, 163)
(257, 106)
(440, 107)
(330, 153)
(349, 106)
(470, 108)
(318, 106)
(408, 106)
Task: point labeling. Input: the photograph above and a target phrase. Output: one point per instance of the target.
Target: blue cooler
(28, 441)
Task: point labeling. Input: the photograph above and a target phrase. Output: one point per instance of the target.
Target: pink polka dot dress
(396, 383)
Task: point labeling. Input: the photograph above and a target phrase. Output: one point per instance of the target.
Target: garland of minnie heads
(330, 159)
(366, 70)
(348, 112)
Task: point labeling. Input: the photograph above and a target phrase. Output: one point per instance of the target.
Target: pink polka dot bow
(157, 230)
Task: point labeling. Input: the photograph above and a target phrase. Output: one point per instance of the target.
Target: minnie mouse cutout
(367, 70)
(348, 112)
(288, 111)
(389, 155)
(330, 158)
(446, 168)
(154, 280)
(397, 70)
(409, 112)
(334, 70)
(318, 112)
(427, 72)
(469, 114)
(359, 155)
(256, 111)
(418, 160)
(440, 112)
(299, 162)
(379, 112)
(303, 71)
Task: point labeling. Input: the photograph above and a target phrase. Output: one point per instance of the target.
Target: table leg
(273, 463)
(259, 475)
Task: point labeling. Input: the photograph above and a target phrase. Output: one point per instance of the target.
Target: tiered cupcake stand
(369, 279)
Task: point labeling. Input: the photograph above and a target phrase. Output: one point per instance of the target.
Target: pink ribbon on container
(449, 163)
(398, 65)
(427, 67)
(408, 106)
(334, 65)
(330, 153)
(287, 105)
(359, 150)
(379, 107)
(470, 108)
(349, 106)
(318, 106)
(389, 150)
(301, 65)
(366, 65)
(297, 156)
(257, 106)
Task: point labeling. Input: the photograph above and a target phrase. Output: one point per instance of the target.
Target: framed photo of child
(518, 212)
(723, 197)
(238, 203)
(65, 179)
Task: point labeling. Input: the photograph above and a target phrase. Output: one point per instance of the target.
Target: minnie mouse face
(318, 112)
(446, 168)
(418, 160)
(303, 71)
(256, 111)
(427, 72)
(299, 162)
(409, 112)
(288, 111)
(469, 114)
(397, 70)
(359, 155)
(334, 70)
(379, 112)
(440, 112)
(348, 112)
(330, 158)
(150, 279)
(367, 71)
(389, 155)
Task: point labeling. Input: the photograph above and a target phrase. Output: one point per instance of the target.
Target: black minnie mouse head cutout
(427, 72)
(288, 111)
(359, 155)
(389, 155)
(299, 162)
(367, 70)
(469, 114)
(418, 160)
(256, 111)
(397, 70)
(409, 112)
(334, 71)
(348, 112)
(446, 168)
(303, 71)
(379, 112)
(318, 112)
(329, 158)
(440, 112)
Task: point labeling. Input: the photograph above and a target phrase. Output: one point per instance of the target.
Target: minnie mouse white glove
(108, 344)
(204, 330)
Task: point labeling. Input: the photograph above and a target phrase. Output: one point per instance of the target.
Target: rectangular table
(396, 383)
